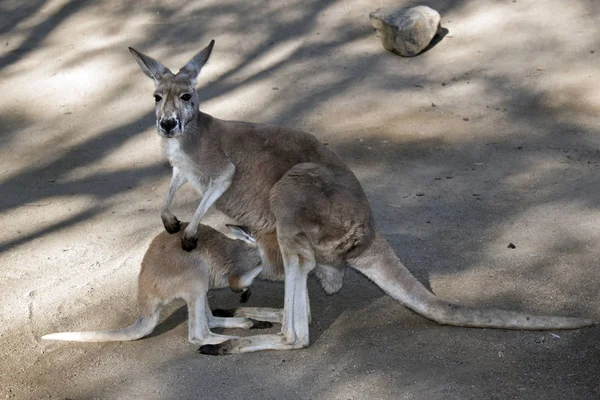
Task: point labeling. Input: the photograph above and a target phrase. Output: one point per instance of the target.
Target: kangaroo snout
(167, 125)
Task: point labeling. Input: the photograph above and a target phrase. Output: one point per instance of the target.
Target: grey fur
(305, 207)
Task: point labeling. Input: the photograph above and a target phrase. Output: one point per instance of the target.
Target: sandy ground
(487, 139)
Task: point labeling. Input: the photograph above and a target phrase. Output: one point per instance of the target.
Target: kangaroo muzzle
(168, 126)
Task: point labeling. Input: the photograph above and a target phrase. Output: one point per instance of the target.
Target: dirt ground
(489, 138)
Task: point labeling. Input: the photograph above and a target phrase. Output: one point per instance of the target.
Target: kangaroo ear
(152, 68)
(242, 233)
(193, 67)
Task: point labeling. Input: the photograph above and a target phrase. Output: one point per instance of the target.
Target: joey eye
(157, 98)
(186, 97)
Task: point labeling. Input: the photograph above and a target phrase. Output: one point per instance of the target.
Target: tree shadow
(474, 202)
(36, 36)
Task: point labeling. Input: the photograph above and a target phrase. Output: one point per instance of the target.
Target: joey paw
(189, 243)
(245, 296)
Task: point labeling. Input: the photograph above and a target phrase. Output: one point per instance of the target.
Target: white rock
(406, 30)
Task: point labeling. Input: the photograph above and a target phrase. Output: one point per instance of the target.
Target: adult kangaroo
(305, 207)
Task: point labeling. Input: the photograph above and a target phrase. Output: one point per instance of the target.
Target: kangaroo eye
(186, 97)
(157, 98)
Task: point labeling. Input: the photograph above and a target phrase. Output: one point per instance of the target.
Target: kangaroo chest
(191, 170)
(246, 200)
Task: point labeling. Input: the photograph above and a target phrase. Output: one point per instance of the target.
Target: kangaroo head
(175, 95)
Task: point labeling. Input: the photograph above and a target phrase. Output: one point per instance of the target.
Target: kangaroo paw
(189, 243)
(173, 225)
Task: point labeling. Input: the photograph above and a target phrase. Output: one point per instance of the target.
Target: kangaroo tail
(140, 328)
(380, 264)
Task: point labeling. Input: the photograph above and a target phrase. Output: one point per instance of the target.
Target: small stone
(406, 30)
(420, 194)
(465, 119)
(511, 246)
(540, 340)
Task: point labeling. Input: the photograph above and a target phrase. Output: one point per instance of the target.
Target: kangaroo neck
(198, 125)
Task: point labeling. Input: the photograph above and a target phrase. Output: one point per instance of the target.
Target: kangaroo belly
(248, 204)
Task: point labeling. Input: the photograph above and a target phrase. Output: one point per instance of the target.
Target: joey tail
(143, 326)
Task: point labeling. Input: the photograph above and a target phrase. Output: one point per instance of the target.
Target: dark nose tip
(168, 123)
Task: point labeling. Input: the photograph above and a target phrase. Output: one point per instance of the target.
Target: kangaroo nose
(168, 123)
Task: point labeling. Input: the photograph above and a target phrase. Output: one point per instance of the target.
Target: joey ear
(152, 68)
(193, 67)
(247, 279)
(242, 233)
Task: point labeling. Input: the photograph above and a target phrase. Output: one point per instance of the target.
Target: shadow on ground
(461, 153)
